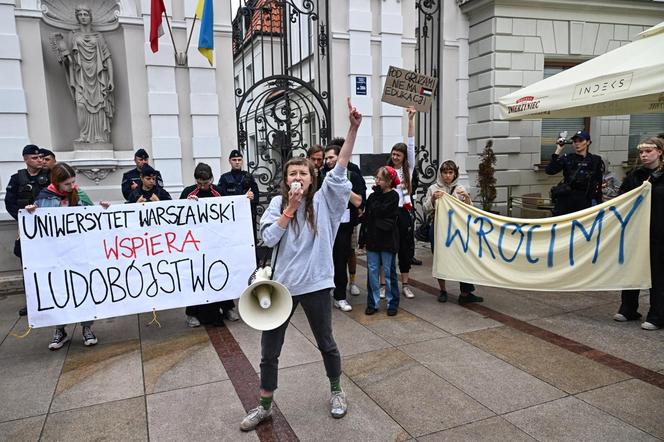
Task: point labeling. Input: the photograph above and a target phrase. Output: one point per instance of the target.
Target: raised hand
(411, 112)
(354, 116)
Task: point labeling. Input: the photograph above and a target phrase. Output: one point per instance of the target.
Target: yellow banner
(605, 247)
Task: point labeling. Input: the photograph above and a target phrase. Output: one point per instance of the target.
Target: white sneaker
(343, 305)
(407, 292)
(231, 315)
(382, 292)
(255, 417)
(354, 289)
(619, 317)
(649, 326)
(193, 322)
(338, 404)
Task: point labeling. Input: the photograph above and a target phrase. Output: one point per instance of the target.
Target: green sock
(266, 402)
(335, 385)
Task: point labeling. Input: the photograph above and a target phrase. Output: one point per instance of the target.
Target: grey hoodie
(304, 263)
(440, 186)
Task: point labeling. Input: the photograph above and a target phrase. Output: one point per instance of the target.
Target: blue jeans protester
(374, 261)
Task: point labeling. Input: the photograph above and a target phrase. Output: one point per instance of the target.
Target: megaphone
(265, 304)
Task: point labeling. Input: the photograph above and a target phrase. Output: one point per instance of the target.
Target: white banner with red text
(87, 263)
(605, 247)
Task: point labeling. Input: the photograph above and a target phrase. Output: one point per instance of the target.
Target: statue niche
(86, 59)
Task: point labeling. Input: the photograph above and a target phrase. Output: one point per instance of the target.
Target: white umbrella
(627, 80)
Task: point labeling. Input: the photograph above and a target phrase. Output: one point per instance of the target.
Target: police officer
(48, 159)
(582, 175)
(23, 188)
(239, 182)
(132, 180)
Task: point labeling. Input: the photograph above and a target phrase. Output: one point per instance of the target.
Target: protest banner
(86, 263)
(407, 88)
(605, 247)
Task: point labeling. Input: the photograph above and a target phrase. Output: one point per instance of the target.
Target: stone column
(360, 65)
(391, 32)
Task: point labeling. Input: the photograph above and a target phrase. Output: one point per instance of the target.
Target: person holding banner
(301, 225)
(64, 192)
(149, 189)
(207, 313)
(583, 171)
(651, 152)
(448, 173)
(402, 159)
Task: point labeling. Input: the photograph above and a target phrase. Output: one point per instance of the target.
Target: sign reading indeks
(407, 88)
(85, 263)
(605, 247)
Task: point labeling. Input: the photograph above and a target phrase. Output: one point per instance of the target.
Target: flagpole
(170, 31)
(191, 32)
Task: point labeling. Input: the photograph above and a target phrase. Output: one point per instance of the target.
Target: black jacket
(210, 193)
(134, 176)
(238, 182)
(379, 232)
(635, 178)
(584, 176)
(23, 189)
(147, 194)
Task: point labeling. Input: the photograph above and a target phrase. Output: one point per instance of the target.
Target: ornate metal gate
(282, 78)
(427, 61)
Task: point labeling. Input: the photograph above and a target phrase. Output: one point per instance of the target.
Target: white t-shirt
(411, 167)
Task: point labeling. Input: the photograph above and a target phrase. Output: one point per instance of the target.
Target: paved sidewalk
(522, 366)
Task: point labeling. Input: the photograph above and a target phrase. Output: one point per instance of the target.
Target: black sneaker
(416, 262)
(59, 339)
(370, 311)
(442, 297)
(392, 312)
(23, 311)
(467, 299)
(89, 338)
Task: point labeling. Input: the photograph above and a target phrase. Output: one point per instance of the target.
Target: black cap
(234, 154)
(582, 135)
(45, 152)
(31, 149)
(141, 153)
(147, 170)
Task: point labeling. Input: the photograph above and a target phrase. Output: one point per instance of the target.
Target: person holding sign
(448, 173)
(402, 159)
(64, 192)
(651, 152)
(301, 225)
(149, 190)
(206, 313)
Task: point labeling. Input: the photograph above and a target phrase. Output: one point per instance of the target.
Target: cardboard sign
(407, 88)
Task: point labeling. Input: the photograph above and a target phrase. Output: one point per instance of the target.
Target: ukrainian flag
(205, 14)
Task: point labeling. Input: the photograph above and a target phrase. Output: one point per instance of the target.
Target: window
(551, 127)
(642, 126)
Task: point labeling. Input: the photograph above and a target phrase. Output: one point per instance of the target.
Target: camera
(562, 139)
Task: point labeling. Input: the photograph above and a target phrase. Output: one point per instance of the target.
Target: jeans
(318, 308)
(374, 261)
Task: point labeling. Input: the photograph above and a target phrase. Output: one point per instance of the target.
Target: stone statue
(88, 67)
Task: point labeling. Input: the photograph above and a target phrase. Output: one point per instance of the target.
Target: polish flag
(157, 10)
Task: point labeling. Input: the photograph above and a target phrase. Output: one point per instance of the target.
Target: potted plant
(486, 181)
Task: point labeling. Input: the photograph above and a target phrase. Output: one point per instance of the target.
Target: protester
(64, 192)
(402, 159)
(380, 235)
(316, 154)
(651, 156)
(149, 190)
(131, 180)
(353, 289)
(214, 312)
(301, 225)
(23, 188)
(48, 159)
(342, 243)
(448, 174)
(582, 176)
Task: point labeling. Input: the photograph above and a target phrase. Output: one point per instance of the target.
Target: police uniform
(23, 189)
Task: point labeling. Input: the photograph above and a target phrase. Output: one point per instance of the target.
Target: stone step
(11, 283)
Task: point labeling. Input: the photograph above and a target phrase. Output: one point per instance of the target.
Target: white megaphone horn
(265, 304)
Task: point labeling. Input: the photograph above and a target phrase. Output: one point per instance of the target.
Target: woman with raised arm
(301, 225)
